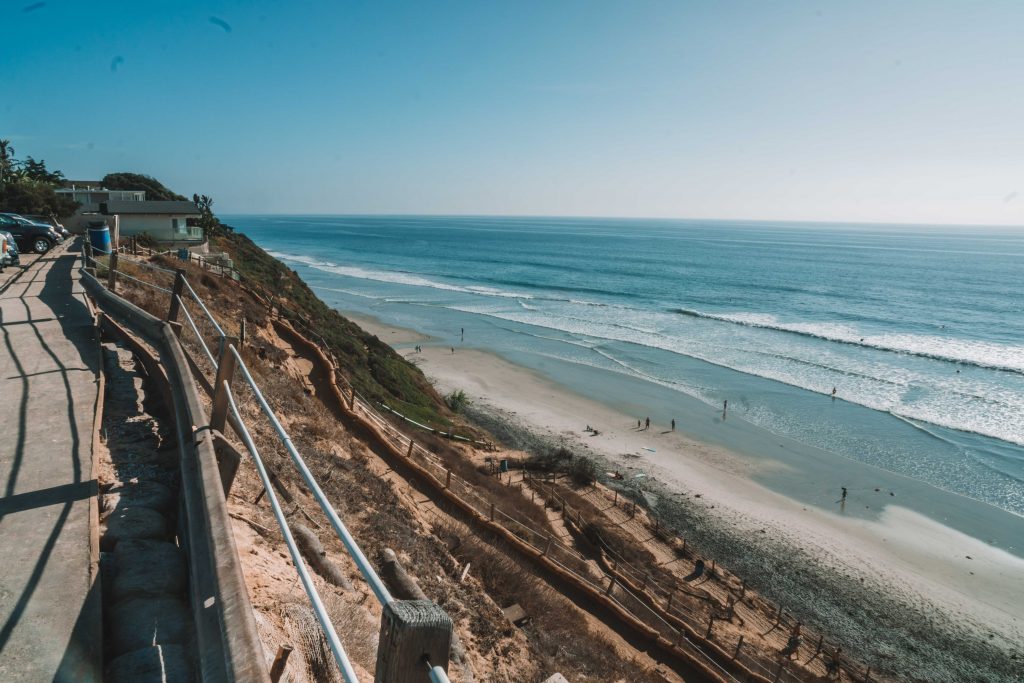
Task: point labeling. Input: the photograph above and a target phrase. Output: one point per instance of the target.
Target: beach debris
(650, 449)
(514, 613)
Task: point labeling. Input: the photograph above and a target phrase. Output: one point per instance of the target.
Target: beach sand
(900, 554)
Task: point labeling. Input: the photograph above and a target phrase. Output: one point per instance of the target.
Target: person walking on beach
(833, 392)
(647, 425)
(453, 350)
(638, 423)
(725, 406)
(462, 333)
(842, 499)
(673, 424)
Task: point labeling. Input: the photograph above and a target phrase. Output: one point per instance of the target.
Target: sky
(893, 112)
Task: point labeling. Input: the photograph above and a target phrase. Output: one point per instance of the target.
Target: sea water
(918, 329)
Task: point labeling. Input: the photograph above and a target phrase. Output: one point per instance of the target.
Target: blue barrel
(99, 238)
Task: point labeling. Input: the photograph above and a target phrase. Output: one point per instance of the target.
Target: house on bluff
(172, 223)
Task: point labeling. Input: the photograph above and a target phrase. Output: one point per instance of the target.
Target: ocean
(920, 330)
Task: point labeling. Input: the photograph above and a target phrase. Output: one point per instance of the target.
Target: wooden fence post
(176, 291)
(352, 399)
(412, 632)
(447, 479)
(492, 512)
(711, 625)
(112, 272)
(611, 585)
(632, 511)
(277, 668)
(241, 333)
(225, 370)
(408, 454)
(669, 607)
(738, 646)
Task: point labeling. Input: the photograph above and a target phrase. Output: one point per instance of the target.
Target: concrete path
(50, 626)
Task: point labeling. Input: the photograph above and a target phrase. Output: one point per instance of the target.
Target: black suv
(36, 237)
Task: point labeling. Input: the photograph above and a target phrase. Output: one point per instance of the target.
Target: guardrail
(415, 634)
(630, 588)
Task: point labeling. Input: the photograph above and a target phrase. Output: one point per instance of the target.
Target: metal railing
(228, 360)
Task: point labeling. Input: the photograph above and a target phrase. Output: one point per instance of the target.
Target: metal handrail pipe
(364, 566)
(199, 301)
(437, 674)
(144, 264)
(337, 649)
(143, 282)
(192, 324)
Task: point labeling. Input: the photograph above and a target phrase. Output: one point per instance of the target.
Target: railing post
(352, 399)
(176, 291)
(412, 632)
(738, 646)
(492, 512)
(241, 333)
(225, 369)
(277, 668)
(711, 625)
(447, 475)
(112, 272)
(611, 585)
(408, 454)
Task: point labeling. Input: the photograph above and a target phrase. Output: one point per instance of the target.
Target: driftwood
(406, 588)
(313, 551)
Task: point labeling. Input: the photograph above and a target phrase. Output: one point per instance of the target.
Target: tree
(6, 159)
(210, 224)
(36, 170)
(27, 196)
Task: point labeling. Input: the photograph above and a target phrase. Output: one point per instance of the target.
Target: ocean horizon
(919, 330)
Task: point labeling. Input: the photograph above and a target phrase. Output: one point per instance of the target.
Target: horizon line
(806, 221)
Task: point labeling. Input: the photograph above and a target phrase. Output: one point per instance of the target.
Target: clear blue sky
(854, 111)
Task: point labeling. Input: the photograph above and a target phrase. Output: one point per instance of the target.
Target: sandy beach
(959, 583)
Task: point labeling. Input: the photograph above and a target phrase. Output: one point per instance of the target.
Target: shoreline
(900, 556)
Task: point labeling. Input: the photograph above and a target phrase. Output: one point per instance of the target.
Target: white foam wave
(396, 277)
(952, 349)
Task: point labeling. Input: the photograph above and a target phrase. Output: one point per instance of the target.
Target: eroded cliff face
(472, 575)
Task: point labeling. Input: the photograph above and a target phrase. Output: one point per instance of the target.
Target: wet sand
(962, 583)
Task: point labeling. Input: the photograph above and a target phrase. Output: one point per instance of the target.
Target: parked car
(29, 236)
(13, 257)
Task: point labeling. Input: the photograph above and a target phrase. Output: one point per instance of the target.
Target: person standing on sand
(647, 425)
(673, 424)
(453, 350)
(638, 423)
(725, 405)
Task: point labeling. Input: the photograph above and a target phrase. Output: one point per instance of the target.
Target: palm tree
(6, 158)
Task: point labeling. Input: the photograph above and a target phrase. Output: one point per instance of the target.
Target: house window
(178, 225)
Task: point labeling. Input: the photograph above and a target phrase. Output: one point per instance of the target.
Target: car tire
(41, 245)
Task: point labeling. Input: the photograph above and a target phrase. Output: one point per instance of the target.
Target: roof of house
(83, 184)
(151, 207)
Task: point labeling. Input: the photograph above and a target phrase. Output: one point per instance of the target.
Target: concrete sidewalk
(50, 628)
